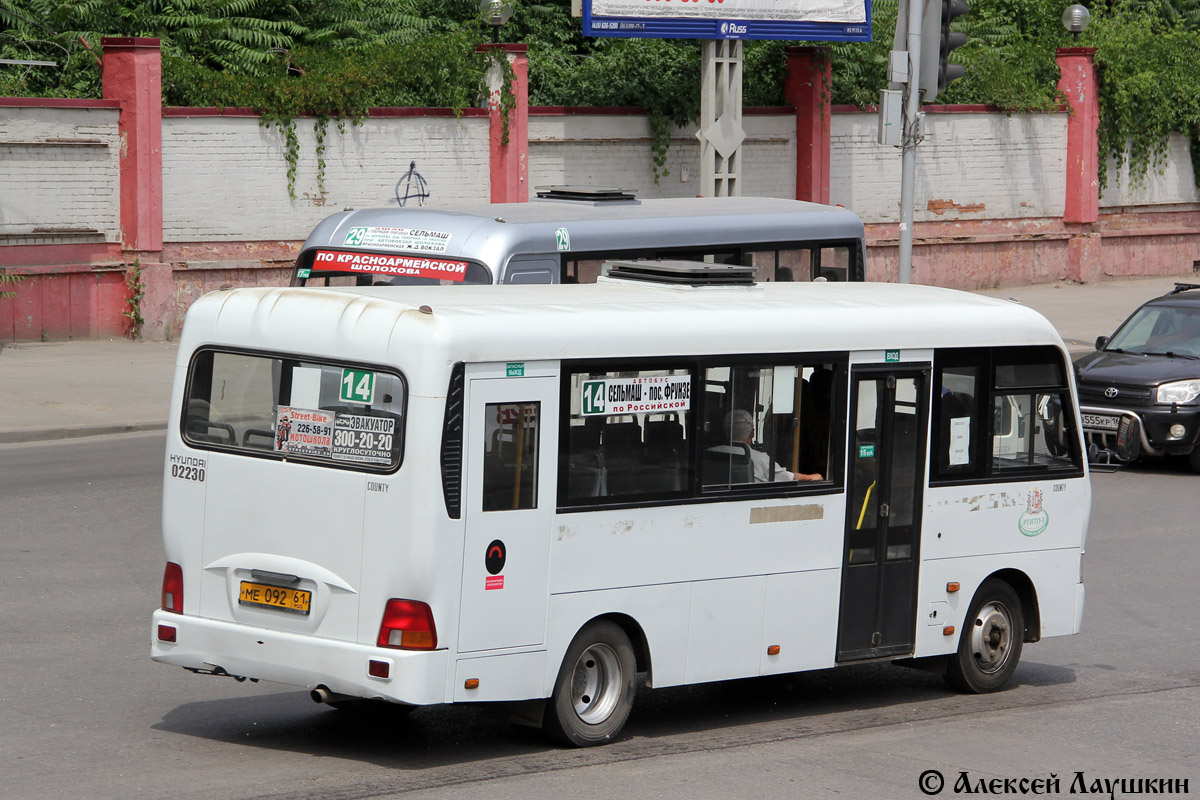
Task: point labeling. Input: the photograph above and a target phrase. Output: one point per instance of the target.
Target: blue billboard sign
(789, 20)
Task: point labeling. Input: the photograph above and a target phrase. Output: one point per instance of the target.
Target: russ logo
(1034, 519)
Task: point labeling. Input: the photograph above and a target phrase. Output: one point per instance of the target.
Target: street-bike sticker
(304, 431)
(411, 266)
(364, 440)
(609, 396)
(398, 239)
(1034, 519)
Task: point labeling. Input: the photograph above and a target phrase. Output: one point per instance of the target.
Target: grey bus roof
(489, 232)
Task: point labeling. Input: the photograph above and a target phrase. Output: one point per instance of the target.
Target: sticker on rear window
(411, 266)
(304, 431)
(398, 239)
(364, 440)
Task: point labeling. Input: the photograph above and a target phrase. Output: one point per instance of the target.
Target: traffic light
(937, 40)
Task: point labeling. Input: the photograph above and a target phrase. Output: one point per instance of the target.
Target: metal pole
(908, 166)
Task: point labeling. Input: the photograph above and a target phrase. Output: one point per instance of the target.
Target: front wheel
(992, 637)
(593, 694)
(1194, 459)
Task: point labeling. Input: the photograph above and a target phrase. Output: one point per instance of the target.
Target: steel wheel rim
(991, 638)
(596, 684)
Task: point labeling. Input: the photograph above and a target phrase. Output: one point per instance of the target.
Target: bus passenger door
(512, 425)
(888, 409)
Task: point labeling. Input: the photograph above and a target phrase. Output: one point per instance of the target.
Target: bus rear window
(338, 415)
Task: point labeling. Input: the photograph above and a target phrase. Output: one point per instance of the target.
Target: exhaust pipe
(321, 694)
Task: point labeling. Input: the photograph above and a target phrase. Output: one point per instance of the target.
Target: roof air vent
(594, 195)
(682, 273)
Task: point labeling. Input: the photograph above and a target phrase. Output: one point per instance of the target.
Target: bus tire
(593, 693)
(991, 641)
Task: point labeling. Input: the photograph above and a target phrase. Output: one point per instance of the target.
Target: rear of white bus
(296, 546)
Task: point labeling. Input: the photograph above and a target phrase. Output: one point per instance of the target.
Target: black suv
(1139, 393)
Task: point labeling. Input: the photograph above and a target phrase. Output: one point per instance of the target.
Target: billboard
(790, 20)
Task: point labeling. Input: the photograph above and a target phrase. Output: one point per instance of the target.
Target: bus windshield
(340, 268)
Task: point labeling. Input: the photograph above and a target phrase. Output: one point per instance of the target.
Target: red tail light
(172, 588)
(407, 625)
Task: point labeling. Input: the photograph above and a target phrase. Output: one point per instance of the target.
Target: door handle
(883, 509)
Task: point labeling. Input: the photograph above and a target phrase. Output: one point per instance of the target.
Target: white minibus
(534, 494)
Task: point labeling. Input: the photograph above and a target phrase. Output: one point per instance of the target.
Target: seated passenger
(740, 425)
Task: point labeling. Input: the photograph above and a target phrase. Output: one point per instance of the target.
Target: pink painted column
(1078, 84)
(808, 75)
(509, 154)
(132, 75)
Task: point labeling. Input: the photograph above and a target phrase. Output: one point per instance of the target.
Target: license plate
(1101, 422)
(261, 594)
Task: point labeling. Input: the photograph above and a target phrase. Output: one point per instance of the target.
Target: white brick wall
(73, 182)
(970, 166)
(1170, 183)
(225, 178)
(614, 150)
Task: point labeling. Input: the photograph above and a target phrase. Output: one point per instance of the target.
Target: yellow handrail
(863, 513)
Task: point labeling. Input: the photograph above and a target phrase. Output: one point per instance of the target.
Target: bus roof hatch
(682, 273)
(596, 195)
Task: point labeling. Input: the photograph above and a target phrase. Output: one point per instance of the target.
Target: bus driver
(740, 424)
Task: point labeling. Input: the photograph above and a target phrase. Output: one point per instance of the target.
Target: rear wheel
(593, 694)
(992, 637)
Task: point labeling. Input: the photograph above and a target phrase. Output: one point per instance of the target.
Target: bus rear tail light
(172, 588)
(407, 625)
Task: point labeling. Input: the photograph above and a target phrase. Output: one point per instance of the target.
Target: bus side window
(767, 424)
(510, 465)
(1038, 436)
(1030, 394)
(1001, 411)
(625, 435)
(832, 263)
(955, 435)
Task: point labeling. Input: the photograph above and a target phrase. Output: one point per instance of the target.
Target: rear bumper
(417, 678)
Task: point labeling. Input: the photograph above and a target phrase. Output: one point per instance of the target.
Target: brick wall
(1169, 182)
(225, 176)
(971, 166)
(59, 179)
(613, 148)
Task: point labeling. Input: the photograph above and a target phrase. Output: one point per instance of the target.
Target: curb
(76, 431)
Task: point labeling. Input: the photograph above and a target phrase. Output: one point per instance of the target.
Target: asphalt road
(84, 713)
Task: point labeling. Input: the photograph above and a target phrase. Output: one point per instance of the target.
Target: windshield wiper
(1171, 354)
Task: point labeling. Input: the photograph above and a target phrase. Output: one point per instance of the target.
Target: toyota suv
(1139, 393)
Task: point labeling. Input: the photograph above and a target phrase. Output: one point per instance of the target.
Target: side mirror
(1101, 341)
